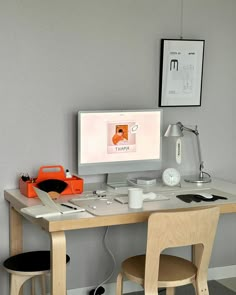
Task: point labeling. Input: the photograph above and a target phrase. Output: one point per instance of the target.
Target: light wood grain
(170, 291)
(17, 201)
(58, 263)
(17, 282)
(173, 229)
(16, 241)
(19, 278)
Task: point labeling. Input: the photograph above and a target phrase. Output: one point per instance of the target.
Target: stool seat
(28, 265)
(33, 261)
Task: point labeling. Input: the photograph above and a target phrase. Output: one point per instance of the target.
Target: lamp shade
(174, 130)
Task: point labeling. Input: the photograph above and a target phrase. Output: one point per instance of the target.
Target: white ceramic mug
(136, 197)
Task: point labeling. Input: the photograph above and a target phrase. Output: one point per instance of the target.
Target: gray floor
(230, 283)
(215, 288)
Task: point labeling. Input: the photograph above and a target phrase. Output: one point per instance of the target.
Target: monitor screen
(119, 141)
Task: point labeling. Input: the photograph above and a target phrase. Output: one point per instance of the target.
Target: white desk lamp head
(176, 130)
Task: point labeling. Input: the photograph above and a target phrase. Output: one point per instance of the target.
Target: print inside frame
(181, 72)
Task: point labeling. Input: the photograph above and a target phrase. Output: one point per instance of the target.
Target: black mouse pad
(188, 198)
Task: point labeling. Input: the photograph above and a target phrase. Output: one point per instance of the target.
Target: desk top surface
(113, 216)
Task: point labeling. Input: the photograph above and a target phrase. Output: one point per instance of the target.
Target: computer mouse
(205, 195)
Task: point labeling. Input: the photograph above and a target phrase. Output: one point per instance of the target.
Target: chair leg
(170, 291)
(201, 287)
(17, 282)
(194, 286)
(43, 284)
(33, 286)
(119, 284)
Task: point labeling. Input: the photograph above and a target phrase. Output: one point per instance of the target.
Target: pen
(69, 206)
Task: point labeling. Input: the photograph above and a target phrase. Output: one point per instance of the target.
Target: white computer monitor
(118, 142)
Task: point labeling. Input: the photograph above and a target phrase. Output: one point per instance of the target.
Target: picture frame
(181, 72)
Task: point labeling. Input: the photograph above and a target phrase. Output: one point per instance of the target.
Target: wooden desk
(56, 226)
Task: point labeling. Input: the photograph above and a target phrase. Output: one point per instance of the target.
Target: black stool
(25, 266)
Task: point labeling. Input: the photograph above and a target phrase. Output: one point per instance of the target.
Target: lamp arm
(182, 127)
(200, 156)
(195, 131)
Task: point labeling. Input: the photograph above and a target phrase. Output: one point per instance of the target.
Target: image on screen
(116, 137)
(121, 138)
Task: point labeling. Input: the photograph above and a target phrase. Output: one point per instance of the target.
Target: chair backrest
(175, 229)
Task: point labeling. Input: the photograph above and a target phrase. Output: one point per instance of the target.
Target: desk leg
(16, 232)
(58, 263)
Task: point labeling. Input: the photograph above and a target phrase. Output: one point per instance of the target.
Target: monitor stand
(116, 180)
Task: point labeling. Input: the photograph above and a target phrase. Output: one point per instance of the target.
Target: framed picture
(181, 72)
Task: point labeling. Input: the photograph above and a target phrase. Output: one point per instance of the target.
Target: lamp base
(198, 179)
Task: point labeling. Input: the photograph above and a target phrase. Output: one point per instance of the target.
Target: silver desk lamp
(176, 130)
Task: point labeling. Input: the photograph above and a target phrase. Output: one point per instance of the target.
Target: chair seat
(30, 262)
(173, 271)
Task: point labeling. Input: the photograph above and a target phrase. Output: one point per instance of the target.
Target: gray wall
(57, 57)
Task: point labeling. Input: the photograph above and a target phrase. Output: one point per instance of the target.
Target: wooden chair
(28, 265)
(173, 229)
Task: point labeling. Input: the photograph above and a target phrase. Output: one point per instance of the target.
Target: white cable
(113, 259)
(181, 18)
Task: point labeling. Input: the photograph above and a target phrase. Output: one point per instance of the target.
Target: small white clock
(171, 177)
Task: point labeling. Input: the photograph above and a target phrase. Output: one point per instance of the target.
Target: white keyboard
(159, 197)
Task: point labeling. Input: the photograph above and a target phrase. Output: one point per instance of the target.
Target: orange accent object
(74, 184)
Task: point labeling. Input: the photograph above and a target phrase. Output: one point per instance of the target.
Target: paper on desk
(49, 207)
(44, 211)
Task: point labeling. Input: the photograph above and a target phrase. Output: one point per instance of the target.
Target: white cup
(136, 197)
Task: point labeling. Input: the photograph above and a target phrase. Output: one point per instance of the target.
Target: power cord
(206, 173)
(99, 287)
